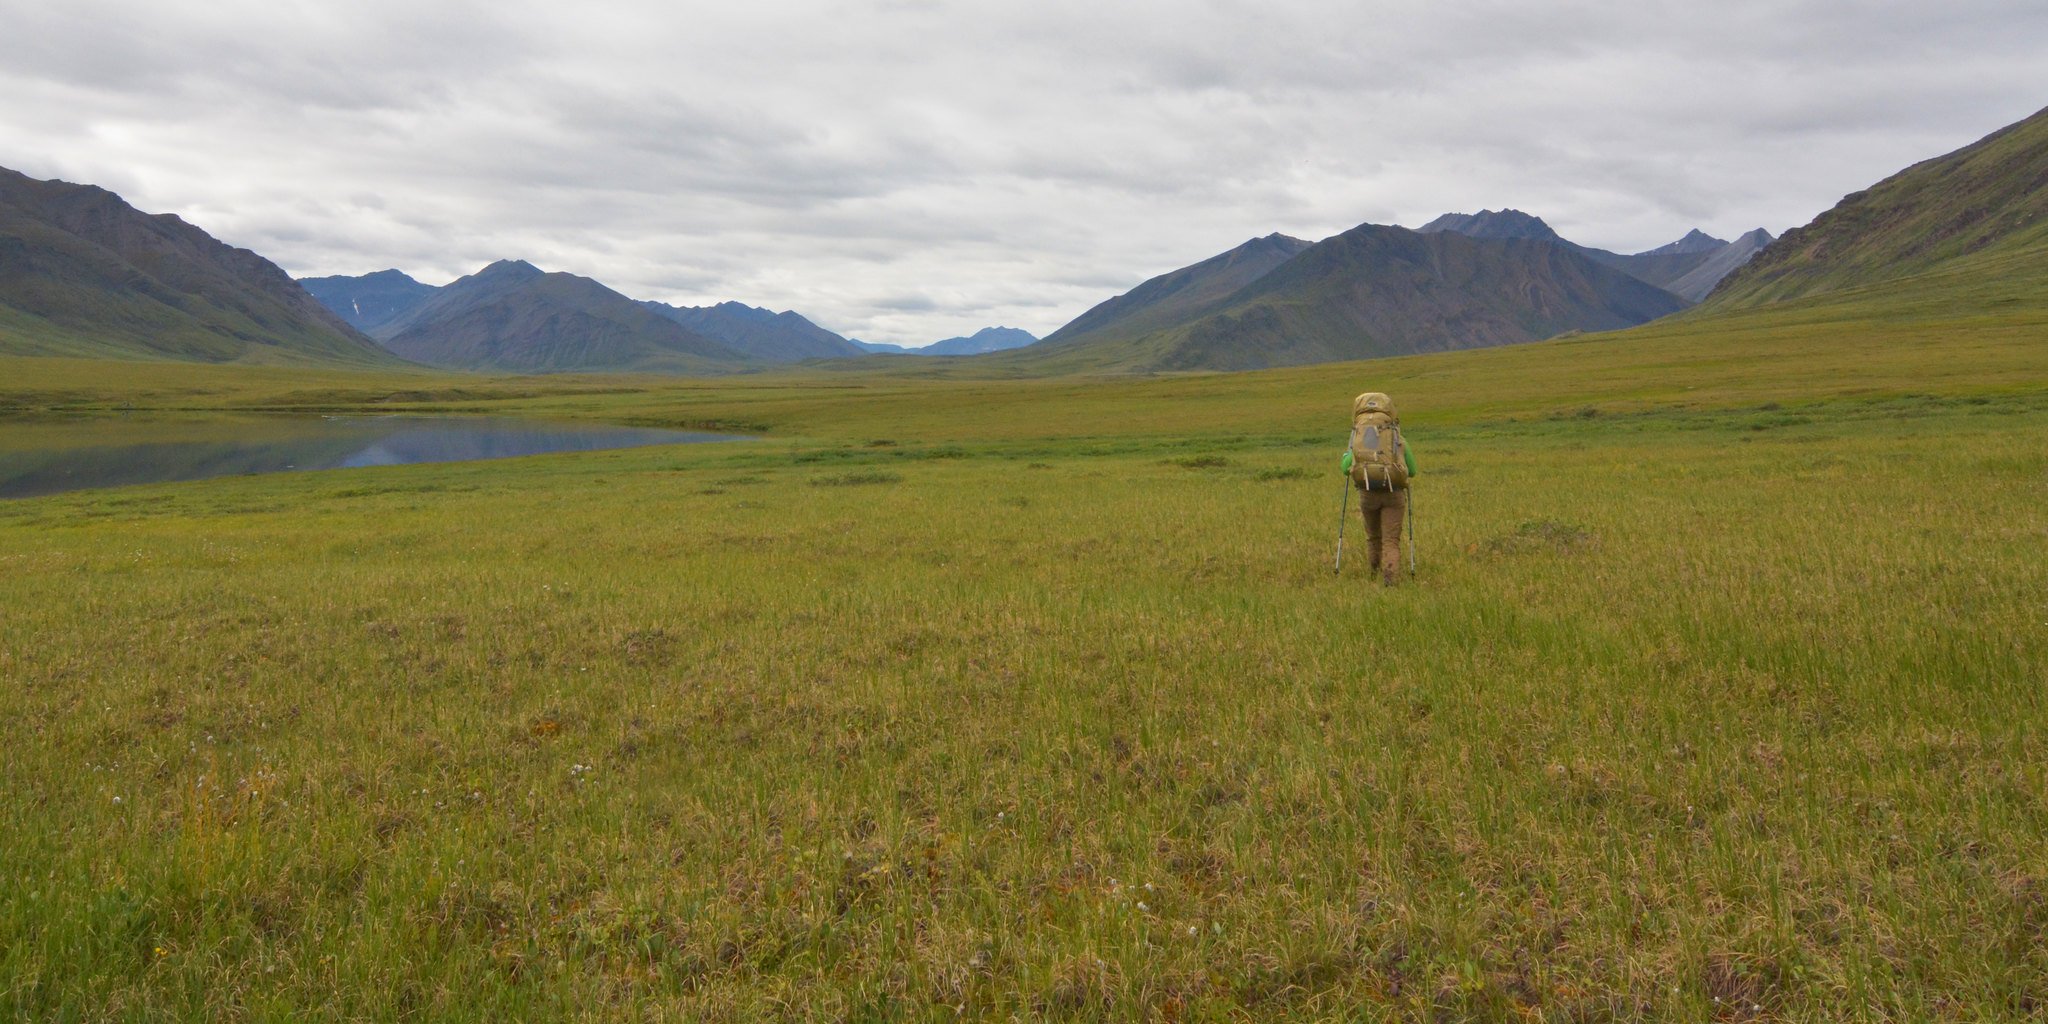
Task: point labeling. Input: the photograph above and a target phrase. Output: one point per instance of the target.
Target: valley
(1021, 684)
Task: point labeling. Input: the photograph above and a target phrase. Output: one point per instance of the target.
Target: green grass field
(1718, 696)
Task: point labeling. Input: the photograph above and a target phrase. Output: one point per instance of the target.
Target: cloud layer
(907, 170)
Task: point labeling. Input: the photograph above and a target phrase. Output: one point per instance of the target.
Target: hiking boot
(1390, 578)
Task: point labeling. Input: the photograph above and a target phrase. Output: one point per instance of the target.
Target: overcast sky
(907, 170)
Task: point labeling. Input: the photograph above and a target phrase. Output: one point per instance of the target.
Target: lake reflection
(46, 458)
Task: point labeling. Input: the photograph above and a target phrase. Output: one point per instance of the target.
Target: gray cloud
(905, 171)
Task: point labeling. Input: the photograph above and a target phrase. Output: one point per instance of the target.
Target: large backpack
(1376, 455)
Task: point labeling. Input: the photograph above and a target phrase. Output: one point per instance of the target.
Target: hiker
(1378, 461)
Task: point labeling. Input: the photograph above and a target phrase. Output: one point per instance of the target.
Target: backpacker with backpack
(1378, 457)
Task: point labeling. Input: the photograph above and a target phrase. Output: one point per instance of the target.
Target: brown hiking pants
(1384, 512)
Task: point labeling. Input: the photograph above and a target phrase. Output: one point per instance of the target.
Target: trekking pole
(1343, 515)
(1410, 501)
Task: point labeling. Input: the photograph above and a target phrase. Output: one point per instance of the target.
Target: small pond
(45, 457)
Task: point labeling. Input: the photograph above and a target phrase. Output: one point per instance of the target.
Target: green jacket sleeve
(1408, 456)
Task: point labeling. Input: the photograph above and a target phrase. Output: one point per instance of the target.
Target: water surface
(48, 458)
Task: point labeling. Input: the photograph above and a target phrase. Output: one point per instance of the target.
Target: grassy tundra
(1718, 696)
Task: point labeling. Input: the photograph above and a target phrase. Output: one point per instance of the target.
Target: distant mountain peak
(1371, 291)
(1502, 223)
(369, 302)
(1177, 295)
(1694, 241)
(759, 314)
(1716, 264)
(988, 339)
(511, 316)
(760, 333)
(509, 270)
(981, 342)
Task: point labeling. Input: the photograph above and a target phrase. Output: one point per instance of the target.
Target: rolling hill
(1986, 200)
(1372, 291)
(83, 273)
(512, 316)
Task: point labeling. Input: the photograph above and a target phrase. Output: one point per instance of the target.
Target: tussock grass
(1680, 720)
(1538, 535)
(857, 479)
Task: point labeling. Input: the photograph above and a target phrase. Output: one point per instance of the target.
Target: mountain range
(421, 321)
(414, 321)
(1463, 280)
(1688, 268)
(84, 273)
(981, 342)
(1375, 290)
(760, 334)
(512, 316)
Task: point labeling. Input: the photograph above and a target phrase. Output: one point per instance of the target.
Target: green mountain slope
(1175, 298)
(83, 273)
(1378, 290)
(1989, 197)
(511, 316)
